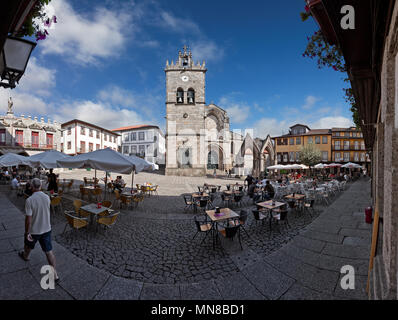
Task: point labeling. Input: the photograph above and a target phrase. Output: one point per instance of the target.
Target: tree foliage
(329, 56)
(310, 155)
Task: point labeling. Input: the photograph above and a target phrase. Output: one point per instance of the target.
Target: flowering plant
(37, 22)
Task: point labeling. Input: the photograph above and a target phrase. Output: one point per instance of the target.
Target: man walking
(37, 225)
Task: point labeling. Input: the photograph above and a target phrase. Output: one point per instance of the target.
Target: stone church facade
(198, 136)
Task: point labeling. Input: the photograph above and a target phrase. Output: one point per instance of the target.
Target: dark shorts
(44, 241)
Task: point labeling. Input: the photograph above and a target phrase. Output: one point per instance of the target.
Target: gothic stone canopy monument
(198, 136)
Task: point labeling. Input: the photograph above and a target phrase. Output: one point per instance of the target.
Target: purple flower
(55, 19)
(40, 36)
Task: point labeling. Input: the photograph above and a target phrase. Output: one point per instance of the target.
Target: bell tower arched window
(191, 96)
(180, 95)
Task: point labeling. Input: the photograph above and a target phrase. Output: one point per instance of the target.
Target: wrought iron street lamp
(14, 59)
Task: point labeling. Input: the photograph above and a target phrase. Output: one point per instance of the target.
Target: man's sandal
(21, 255)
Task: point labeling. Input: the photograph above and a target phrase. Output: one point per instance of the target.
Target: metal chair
(56, 202)
(202, 226)
(231, 229)
(74, 222)
(189, 203)
(108, 220)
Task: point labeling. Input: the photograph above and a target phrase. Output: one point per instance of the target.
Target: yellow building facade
(288, 147)
(348, 145)
(339, 145)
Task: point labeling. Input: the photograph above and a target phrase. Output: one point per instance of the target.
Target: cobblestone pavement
(151, 255)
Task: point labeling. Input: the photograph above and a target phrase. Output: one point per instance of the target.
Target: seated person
(119, 183)
(269, 191)
(28, 189)
(258, 195)
(15, 183)
(251, 190)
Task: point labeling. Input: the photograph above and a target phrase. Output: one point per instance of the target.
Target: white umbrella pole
(106, 183)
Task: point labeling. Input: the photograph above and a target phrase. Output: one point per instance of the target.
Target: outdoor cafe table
(296, 196)
(270, 206)
(94, 210)
(225, 214)
(197, 196)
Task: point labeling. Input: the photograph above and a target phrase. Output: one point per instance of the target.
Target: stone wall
(385, 173)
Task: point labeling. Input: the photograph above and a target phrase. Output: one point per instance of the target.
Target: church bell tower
(185, 115)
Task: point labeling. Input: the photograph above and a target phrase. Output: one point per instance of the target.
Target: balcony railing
(351, 147)
(27, 144)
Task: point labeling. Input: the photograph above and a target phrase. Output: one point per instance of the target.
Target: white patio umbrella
(140, 165)
(304, 167)
(294, 166)
(47, 159)
(13, 159)
(334, 165)
(106, 160)
(351, 165)
(276, 167)
(320, 166)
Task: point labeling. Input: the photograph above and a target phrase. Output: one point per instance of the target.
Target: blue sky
(103, 62)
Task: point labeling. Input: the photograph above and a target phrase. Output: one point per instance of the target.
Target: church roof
(141, 126)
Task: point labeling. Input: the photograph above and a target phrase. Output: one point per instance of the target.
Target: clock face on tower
(185, 78)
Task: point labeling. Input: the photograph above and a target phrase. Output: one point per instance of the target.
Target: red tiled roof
(317, 131)
(141, 126)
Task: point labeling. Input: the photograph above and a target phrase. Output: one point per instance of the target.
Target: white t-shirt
(38, 206)
(14, 183)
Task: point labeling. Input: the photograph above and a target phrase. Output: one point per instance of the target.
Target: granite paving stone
(149, 253)
(18, 285)
(346, 251)
(358, 293)
(309, 244)
(120, 289)
(323, 236)
(268, 280)
(299, 292)
(5, 246)
(84, 283)
(151, 291)
(237, 287)
(307, 275)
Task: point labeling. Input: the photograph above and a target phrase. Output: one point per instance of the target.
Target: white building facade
(145, 141)
(26, 136)
(82, 137)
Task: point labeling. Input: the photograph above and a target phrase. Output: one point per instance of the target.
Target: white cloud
(24, 103)
(175, 24)
(83, 39)
(117, 96)
(310, 102)
(98, 113)
(332, 122)
(270, 126)
(33, 88)
(37, 79)
(206, 50)
(238, 112)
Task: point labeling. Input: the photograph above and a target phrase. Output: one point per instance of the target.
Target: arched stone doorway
(215, 158)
